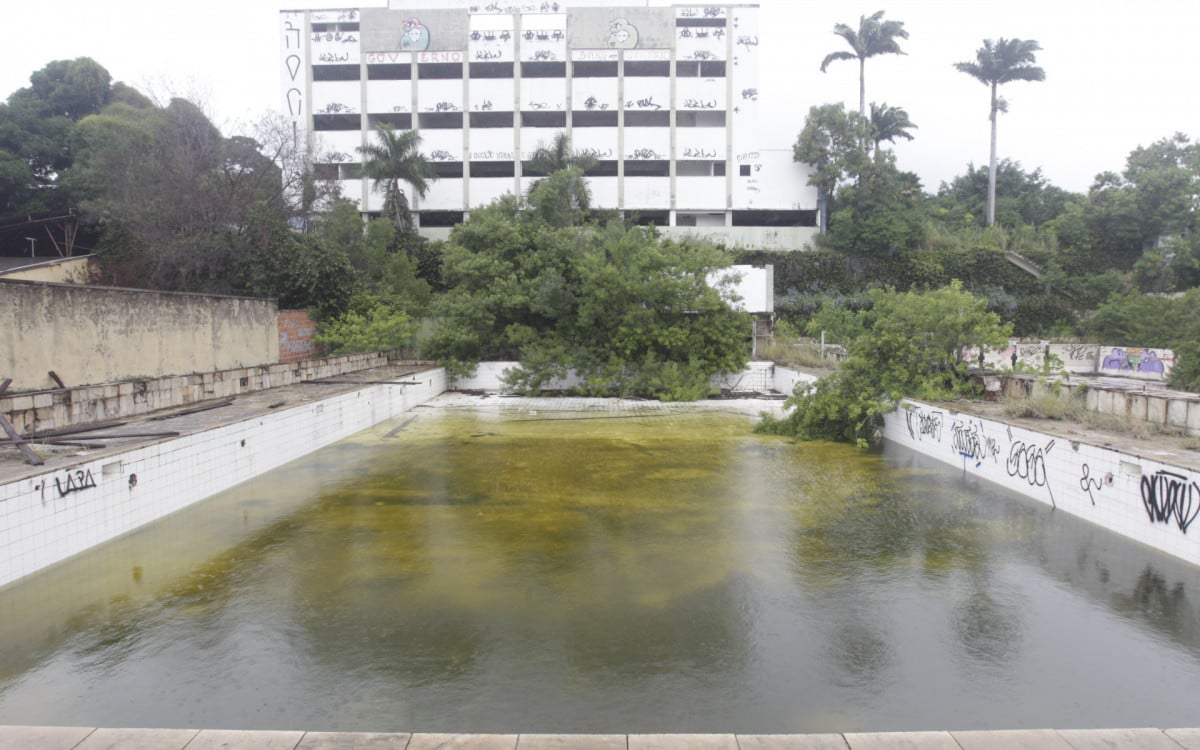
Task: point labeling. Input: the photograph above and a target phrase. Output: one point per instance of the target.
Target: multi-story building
(665, 98)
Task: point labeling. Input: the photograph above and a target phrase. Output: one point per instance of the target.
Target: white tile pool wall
(1135, 496)
(756, 377)
(49, 517)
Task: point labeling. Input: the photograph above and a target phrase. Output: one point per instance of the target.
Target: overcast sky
(1119, 74)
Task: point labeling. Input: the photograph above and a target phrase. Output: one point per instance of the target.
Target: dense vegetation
(166, 201)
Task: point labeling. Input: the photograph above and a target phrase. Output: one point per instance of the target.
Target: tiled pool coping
(87, 738)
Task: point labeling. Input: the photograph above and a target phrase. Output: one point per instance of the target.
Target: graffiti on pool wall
(1028, 461)
(76, 481)
(1168, 496)
(1089, 484)
(970, 442)
(924, 424)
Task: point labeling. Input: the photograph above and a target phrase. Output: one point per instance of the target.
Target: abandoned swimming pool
(592, 566)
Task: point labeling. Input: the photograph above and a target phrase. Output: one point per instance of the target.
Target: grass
(1060, 404)
(799, 352)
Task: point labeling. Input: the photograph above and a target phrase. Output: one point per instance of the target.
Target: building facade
(663, 97)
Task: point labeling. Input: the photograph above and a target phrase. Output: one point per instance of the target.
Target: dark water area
(606, 572)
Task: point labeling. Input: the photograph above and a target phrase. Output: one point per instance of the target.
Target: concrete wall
(66, 407)
(1174, 410)
(1142, 363)
(62, 271)
(1135, 496)
(49, 517)
(101, 335)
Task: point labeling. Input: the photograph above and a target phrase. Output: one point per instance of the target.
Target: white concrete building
(664, 97)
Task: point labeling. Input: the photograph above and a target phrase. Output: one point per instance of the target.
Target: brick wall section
(56, 409)
(296, 331)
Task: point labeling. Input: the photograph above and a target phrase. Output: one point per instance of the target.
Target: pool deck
(87, 738)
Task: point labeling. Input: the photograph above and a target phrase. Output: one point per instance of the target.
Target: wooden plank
(26, 451)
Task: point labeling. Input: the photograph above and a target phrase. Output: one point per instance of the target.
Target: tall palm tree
(392, 159)
(873, 37)
(888, 124)
(995, 63)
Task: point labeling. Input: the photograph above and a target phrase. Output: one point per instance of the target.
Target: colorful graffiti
(415, 37)
(1132, 360)
(622, 34)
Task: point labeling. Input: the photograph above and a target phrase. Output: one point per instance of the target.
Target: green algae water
(571, 566)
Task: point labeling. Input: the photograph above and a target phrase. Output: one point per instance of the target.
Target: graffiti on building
(692, 103)
(295, 101)
(291, 35)
(415, 37)
(334, 108)
(334, 36)
(1168, 496)
(622, 34)
(647, 103)
(645, 153)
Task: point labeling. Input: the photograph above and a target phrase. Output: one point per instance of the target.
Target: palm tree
(874, 37)
(558, 155)
(996, 63)
(394, 159)
(888, 124)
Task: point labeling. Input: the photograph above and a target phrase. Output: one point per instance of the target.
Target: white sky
(1119, 73)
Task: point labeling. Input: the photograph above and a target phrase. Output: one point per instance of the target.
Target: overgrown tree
(831, 144)
(912, 346)
(998, 62)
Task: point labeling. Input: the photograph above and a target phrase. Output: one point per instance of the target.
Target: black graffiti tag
(76, 482)
(1168, 495)
(969, 441)
(1028, 462)
(926, 424)
(1087, 484)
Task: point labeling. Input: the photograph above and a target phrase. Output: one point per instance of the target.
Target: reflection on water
(571, 572)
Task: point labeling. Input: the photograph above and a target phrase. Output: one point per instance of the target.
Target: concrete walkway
(84, 738)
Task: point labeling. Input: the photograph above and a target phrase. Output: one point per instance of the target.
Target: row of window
(581, 69)
(431, 219)
(581, 119)
(606, 168)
